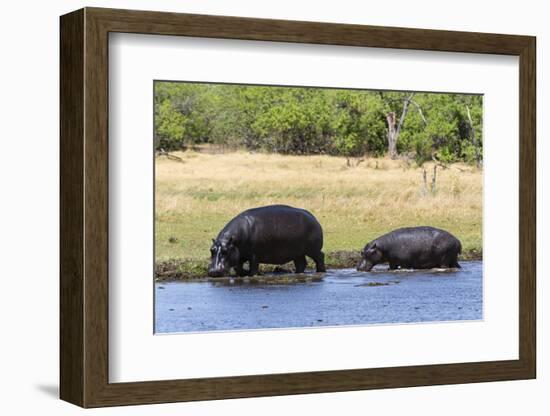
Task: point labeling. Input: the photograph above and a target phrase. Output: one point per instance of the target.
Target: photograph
(277, 205)
(299, 206)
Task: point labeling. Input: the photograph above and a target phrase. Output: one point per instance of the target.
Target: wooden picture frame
(84, 207)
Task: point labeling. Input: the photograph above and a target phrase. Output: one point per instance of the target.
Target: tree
(394, 130)
(296, 120)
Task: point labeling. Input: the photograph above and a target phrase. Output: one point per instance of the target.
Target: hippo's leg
(455, 261)
(450, 261)
(241, 271)
(393, 266)
(254, 266)
(319, 259)
(300, 264)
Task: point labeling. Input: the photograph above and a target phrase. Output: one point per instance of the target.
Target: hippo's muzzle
(216, 273)
(364, 266)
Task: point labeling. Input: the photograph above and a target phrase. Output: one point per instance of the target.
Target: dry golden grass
(197, 197)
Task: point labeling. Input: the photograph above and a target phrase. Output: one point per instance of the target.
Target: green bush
(296, 120)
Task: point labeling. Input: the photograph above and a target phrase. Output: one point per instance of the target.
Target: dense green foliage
(296, 120)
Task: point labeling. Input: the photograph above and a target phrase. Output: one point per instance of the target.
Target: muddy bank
(186, 269)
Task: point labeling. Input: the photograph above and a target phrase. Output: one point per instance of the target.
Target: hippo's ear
(373, 246)
(230, 241)
(213, 241)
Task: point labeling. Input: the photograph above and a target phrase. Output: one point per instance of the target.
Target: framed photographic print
(255, 207)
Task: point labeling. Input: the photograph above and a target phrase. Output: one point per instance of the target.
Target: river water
(343, 297)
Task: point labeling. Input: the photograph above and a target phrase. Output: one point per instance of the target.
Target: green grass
(195, 198)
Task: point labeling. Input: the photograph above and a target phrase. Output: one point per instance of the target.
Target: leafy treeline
(297, 120)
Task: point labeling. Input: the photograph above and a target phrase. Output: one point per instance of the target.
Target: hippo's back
(281, 222)
(424, 231)
(422, 238)
(279, 213)
(279, 233)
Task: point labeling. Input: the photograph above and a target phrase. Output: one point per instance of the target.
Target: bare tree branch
(404, 113)
(420, 112)
(438, 162)
(393, 131)
(473, 136)
(162, 152)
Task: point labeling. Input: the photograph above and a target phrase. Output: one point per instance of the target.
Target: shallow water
(343, 297)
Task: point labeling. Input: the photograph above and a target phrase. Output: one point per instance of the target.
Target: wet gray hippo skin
(412, 248)
(274, 234)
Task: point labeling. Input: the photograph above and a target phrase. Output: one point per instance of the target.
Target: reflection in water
(342, 297)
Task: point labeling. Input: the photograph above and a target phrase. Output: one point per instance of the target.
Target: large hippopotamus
(274, 234)
(412, 248)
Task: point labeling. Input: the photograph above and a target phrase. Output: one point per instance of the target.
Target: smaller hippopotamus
(412, 248)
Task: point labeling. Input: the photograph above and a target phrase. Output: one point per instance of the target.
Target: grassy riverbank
(187, 269)
(197, 196)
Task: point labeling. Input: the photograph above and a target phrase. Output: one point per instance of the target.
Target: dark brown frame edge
(84, 207)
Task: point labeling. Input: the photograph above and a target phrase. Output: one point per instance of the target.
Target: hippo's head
(371, 255)
(223, 256)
